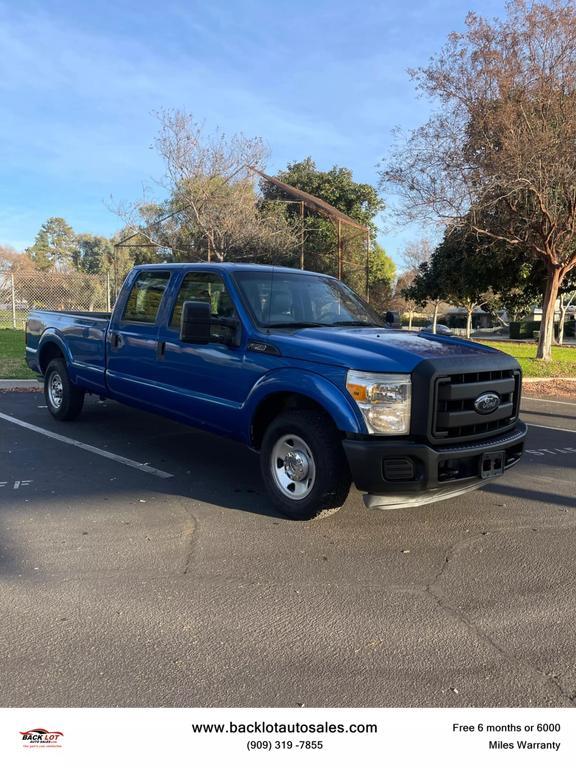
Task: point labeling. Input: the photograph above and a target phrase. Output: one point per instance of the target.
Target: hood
(373, 349)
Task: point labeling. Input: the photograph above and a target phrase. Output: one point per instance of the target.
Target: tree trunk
(410, 318)
(548, 306)
(469, 311)
(435, 317)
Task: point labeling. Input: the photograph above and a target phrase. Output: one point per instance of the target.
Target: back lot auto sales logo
(40, 737)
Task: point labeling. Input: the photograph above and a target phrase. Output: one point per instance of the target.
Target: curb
(21, 385)
(33, 385)
(527, 379)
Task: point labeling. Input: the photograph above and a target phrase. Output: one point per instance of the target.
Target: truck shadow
(547, 414)
(206, 468)
(546, 497)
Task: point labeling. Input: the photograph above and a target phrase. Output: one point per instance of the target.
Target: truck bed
(81, 338)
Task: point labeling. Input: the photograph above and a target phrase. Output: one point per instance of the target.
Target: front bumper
(397, 473)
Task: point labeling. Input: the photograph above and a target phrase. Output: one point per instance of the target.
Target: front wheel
(303, 465)
(63, 399)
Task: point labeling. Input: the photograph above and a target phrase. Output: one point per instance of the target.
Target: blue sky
(80, 81)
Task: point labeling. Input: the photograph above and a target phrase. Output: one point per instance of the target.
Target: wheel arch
(275, 404)
(50, 348)
(311, 393)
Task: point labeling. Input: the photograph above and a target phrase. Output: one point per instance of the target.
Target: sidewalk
(21, 385)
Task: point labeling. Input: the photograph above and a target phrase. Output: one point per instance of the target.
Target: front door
(206, 384)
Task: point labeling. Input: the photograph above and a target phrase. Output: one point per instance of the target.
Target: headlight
(384, 399)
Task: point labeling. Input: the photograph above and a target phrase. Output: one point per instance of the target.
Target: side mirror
(389, 318)
(195, 322)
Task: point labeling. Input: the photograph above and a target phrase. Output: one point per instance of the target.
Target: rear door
(132, 343)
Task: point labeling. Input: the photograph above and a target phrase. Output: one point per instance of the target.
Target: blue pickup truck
(296, 366)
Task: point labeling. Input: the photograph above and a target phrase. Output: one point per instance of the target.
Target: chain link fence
(21, 292)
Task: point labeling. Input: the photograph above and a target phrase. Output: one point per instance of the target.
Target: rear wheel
(63, 399)
(303, 465)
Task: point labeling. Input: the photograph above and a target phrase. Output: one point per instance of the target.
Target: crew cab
(296, 366)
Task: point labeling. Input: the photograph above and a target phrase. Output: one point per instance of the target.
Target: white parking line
(555, 480)
(544, 400)
(555, 429)
(90, 448)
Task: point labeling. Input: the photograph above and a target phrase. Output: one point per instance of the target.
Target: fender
(300, 381)
(50, 335)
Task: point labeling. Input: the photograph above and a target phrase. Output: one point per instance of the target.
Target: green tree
(426, 290)
(463, 273)
(54, 246)
(92, 254)
(517, 282)
(382, 272)
(472, 271)
(338, 188)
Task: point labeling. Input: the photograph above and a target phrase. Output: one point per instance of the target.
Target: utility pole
(368, 265)
(339, 250)
(13, 300)
(301, 234)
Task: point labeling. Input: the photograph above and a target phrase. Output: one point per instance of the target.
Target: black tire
(63, 399)
(329, 482)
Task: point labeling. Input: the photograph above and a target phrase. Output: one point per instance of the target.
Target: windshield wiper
(297, 325)
(362, 323)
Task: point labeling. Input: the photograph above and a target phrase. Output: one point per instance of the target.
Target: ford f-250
(295, 365)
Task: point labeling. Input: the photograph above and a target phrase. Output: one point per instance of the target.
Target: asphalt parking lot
(171, 581)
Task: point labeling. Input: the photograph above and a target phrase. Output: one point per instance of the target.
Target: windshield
(285, 300)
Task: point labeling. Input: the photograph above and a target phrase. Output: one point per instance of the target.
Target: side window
(209, 287)
(145, 297)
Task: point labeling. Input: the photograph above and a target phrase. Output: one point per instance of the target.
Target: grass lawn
(12, 363)
(563, 361)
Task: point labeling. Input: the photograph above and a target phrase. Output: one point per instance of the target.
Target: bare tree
(12, 260)
(401, 301)
(499, 156)
(416, 252)
(213, 207)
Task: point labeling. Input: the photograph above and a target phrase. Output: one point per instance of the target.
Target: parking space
(141, 564)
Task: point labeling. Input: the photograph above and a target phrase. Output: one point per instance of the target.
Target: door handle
(115, 339)
(160, 350)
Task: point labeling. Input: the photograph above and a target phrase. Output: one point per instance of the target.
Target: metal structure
(296, 196)
(336, 217)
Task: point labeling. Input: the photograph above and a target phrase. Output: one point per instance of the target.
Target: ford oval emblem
(486, 403)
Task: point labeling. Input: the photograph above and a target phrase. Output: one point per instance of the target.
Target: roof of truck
(227, 266)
